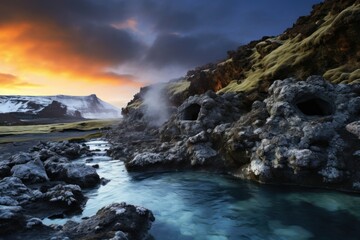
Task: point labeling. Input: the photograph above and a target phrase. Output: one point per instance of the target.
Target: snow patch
(89, 106)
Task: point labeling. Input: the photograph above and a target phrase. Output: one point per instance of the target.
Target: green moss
(294, 57)
(82, 138)
(178, 87)
(58, 127)
(135, 105)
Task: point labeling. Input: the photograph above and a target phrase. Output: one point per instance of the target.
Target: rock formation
(245, 116)
(304, 132)
(44, 182)
(116, 221)
(323, 43)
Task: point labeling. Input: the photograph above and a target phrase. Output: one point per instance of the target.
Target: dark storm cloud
(232, 23)
(173, 49)
(105, 43)
(62, 11)
(186, 33)
(83, 26)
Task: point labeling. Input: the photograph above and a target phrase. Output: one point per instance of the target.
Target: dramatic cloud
(9, 80)
(187, 51)
(118, 42)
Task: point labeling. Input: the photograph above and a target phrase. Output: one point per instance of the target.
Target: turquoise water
(196, 205)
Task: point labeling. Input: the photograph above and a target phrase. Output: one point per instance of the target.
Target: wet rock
(15, 191)
(65, 196)
(303, 140)
(30, 172)
(11, 219)
(119, 235)
(201, 112)
(73, 173)
(45, 154)
(117, 221)
(46, 150)
(354, 128)
(143, 160)
(20, 158)
(202, 154)
(33, 223)
(104, 181)
(4, 170)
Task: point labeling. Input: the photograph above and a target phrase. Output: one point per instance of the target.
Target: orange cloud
(9, 80)
(51, 51)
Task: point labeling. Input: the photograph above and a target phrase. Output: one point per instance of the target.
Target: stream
(199, 205)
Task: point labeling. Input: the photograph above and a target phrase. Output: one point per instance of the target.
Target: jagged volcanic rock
(117, 221)
(304, 140)
(304, 132)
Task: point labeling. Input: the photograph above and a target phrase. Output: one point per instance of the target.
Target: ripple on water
(194, 205)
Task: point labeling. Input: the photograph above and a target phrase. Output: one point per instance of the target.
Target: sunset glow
(36, 59)
(111, 49)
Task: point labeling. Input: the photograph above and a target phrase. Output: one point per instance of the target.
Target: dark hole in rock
(139, 116)
(191, 112)
(320, 143)
(314, 106)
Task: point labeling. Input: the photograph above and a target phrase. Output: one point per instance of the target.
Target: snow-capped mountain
(90, 107)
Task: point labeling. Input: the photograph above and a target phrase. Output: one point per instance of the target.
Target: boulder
(202, 155)
(20, 158)
(73, 173)
(144, 160)
(202, 112)
(303, 139)
(4, 170)
(46, 150)
(114, 221)
(30, 172)
(11, 219)
(69, 196)
(354, 128)
(15, 191)
(33, 223)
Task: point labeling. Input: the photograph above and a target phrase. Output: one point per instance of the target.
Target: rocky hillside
(303, 132)
(252, 117)
(323, 43)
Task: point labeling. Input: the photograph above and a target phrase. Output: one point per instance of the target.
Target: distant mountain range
(22, 109)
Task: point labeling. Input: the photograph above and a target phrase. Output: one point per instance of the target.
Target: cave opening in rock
(191, 112)
(321, 143)
(314, 106)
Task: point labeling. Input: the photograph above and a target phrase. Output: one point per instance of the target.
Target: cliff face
(323, 43)
(255, 126)
(303, 132)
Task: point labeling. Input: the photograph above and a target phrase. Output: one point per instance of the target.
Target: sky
(113, 47)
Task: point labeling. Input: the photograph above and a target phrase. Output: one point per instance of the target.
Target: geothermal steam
(156, 105)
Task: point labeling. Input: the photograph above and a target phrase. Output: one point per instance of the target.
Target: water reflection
(193, 205)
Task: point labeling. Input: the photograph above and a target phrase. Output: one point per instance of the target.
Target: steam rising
(156, 105)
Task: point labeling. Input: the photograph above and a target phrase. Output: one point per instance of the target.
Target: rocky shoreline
(304, 133)
(45, 182)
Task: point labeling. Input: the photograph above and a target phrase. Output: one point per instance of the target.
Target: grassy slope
(295, 55)
(58, 131)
